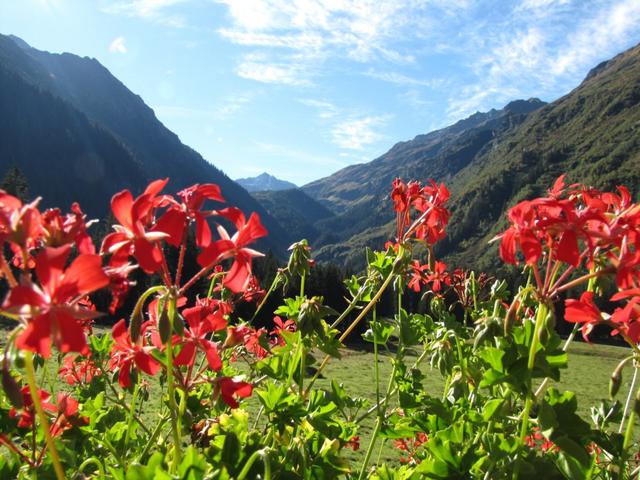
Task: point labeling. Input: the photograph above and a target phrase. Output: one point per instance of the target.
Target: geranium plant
(235, 401)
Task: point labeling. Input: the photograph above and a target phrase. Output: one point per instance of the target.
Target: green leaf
(491, 408)
(493, 356)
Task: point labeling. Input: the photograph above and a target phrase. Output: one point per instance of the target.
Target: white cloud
(357, 133)
(359, 30)
(607, 29)
(117, 45)
(232, 104)
(325, 109)
(228, 106)
(541, 5)
(267, 72)
(151, 10)
(537, 54)
(400, 79)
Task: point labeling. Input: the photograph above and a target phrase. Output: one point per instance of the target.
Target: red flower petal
(173, 223)
(121, 204)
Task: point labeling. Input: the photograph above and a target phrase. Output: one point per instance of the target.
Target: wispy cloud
(326, 110)
(158, 11)
(261, 69)
(117, 45)
(358, 30)
(227, 108)
(357, 133)
(401, 79)
(348, 129)
(544, 44)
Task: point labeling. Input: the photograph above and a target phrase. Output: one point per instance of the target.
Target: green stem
(175, 420)
(132, 414)
(376, 370)
(263, 453)
(357, 320)
(540, 320)
(44, 423)
(303, 354)
(380, 419)
(565, 347)
(395, 388)
(627, 404)
(628, 441)
(153, 437)
(91, 461)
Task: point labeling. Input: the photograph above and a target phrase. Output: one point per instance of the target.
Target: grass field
(587, 374)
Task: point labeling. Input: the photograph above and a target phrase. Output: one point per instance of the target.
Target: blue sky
(302, 88)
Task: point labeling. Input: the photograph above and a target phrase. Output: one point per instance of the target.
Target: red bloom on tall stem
(132, 237)
(583, 311)
(235, 247)
(51, 310)
(70, 228)
(176, 218)
(126, 354)
(201, 323)
(27, 413)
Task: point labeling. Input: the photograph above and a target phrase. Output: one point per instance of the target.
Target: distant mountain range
(77, 133)
(489, 161)
(264, 183)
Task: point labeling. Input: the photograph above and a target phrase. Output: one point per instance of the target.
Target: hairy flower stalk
(44, 423)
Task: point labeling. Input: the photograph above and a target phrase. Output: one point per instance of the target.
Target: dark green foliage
(15, 183)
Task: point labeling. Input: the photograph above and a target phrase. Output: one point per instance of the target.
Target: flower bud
(11, 389)
(614, 382)
(178, 325)
(135, 325)
(636, 403)
(164, 326)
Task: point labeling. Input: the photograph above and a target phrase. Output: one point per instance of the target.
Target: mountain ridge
(264, 183)
(89, 88)
(591, 133)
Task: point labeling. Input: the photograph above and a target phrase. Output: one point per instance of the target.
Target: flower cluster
(410, 446)
(428, 202)
(574, 227)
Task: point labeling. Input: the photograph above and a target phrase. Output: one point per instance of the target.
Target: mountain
(297, 210)
(490, 161)
(359, 194)
(264, 183)
(78, 133)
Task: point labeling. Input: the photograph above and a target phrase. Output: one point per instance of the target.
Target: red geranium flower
(125, 354)
(583, 311)
(229, 389)
(27, 413)
(235, 247)
(76, 370)
(131, 236)
(70, 228)
(175, 219)
(201, 323)
(52, 311)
